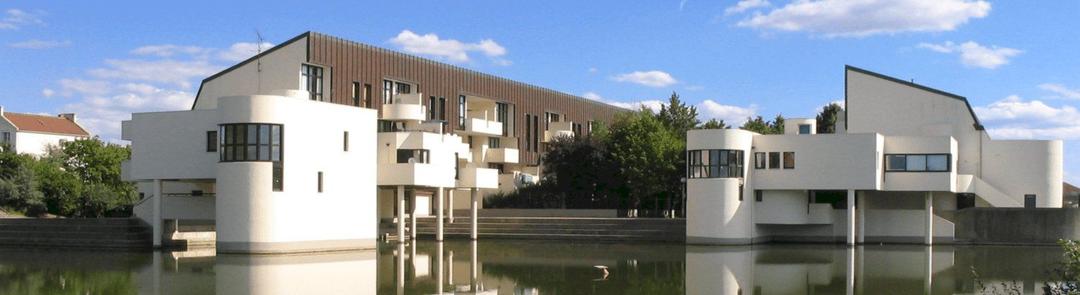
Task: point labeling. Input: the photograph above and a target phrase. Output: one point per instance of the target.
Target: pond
(542, 267)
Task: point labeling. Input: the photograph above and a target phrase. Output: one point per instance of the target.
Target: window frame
(312, 77)
(212, 141)
(785, 156)
(715, 163)
(761, 160)
(926, 160)
(778, 160)
(462, 109)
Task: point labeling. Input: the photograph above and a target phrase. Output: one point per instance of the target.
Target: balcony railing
(483, 127)
(502, 155)
(558, 129)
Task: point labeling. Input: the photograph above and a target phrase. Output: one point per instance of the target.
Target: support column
(400, 213)
(412, 216)
(850, 230)
(861, 216)
(439, 207)
(473, 267)
(439, 262)
(474, 205)
(928, 236)
(929, 279)
(450, 206)
(450, 268)
(849, 278)
(401, 266)
(157, 201)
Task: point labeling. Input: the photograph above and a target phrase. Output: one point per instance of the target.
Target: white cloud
(974, 55)
(1061, 90)
(243, 50)
(652, 78)
(150, 78)
(449, 49)
(592, 95)
(745, 5)
(593, 70)
(682, 3)
(651, 104)
(1014, 117)
(15, 18)
(860, 18)
(39, 44)
(732, 115)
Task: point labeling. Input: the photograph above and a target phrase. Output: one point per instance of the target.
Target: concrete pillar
(400, 213)
(401, 266)
(474, 205)
(439, 207)
(928, 235)
(412, 216)
(861, 218)
(450, 267)
(928, 280)
(849, 280)
(850, 230)
(473, 267)
(450, 206)
(158, 195)
(439, 262)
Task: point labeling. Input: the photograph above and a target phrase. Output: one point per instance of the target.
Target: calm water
(541, 267)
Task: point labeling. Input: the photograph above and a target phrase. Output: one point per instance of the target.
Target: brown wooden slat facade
(347, 62)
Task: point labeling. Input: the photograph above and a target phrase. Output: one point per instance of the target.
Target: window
(356, 94)
(715, 163)
(528, 132)
(7, 137)
(367, 96)
(320, 182)
(789, 160)
(759, 195)
(493, 142)
(589, 127)
(312, 80)
(759, 160)
(536, 133)
(211, 141)
(461, 112)
(1029, 201)
(345, 142)
(405, 156)
(804, 128)
(403, 88)
(917, 163)
(774, 160)
(457, 167)
(248, 142)
(548, 118)
(501, 112)
(392, 88)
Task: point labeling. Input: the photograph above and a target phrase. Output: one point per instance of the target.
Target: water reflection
(540, 267)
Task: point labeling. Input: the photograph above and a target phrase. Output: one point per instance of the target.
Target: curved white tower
(719, 209)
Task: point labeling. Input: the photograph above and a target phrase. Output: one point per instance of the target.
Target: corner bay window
(917, 163)
(715, 163)
(251, 142)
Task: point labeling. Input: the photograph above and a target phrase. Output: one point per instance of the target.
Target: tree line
(637, 164)
(79, 178)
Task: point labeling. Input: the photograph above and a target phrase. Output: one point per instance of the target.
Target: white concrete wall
(822, 162)
(714, 212)
(922, 181)
(37, 144)
(248, 211)
(280, 70)
(171, 145)
(1019, 167)
(781, 207)
(890, 108)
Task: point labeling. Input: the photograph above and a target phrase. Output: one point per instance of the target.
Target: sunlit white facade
(903, 159)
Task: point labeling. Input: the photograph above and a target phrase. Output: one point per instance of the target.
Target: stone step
(74, 228)
(76, 243)
(129, 235)
(82, 233)
(69, 221)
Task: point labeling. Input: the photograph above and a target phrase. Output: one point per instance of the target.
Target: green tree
(760, 125)
(97, 164)
(678, 116)
(19, 190)
(579, 169)
(647, 155)
(715, 124)
(826, 119)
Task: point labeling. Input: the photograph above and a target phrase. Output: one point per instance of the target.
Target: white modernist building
(289, 151)
(33, 134)
(903, 159)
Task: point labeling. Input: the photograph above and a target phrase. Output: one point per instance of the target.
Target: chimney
(1, 111)
(68, 116)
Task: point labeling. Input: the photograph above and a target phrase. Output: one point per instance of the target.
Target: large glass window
(917, 163)
(774, 160)
(501, 116)
(312, 79)
(759, 160)
(789, 160)
(715, 163)
(251, 142)
(804, 128)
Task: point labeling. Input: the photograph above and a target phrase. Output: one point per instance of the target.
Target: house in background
(309, 144)
(903, 160)
(33, 134)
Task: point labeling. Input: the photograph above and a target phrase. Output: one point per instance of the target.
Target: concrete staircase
(591, 229)
(82, 233)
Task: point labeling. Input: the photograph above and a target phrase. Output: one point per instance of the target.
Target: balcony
(475, 177)
(502, 155)
(421, 174)
(405, 107)
(558, 129)
(478, 126)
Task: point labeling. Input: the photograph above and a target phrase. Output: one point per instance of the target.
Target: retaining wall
(1020, 226)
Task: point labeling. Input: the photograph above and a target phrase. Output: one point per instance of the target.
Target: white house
(904, 158)
(33, 134)
(309, 144)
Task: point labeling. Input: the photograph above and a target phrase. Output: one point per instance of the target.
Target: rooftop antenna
(258, 60)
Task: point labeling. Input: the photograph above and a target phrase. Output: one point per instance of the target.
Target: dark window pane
(896, 163)
(774, 160)
(916, 163)
(789, 160)
(937, 163)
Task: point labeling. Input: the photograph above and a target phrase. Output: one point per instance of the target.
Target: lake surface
(542, 267)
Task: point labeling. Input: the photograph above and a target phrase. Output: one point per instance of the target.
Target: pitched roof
(978, 126)
(47, 124)
(1068, 188)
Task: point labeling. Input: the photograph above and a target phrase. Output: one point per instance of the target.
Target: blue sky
(1016, 61)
